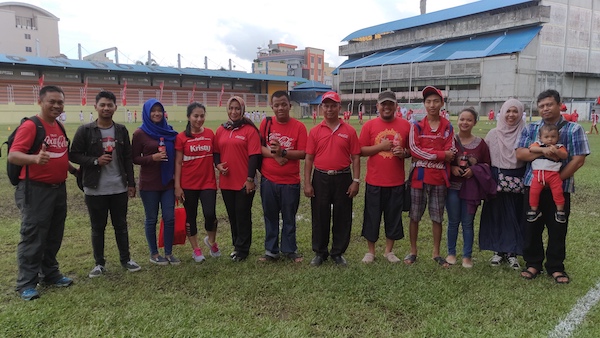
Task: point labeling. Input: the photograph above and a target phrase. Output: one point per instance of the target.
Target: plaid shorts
(436, 194)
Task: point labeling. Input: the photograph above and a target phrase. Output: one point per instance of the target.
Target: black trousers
(533, 251)
(331, 190)
(208, 198)
(239, 210)
(98, 208)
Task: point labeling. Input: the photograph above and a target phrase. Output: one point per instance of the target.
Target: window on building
(319, 60)
(28, 49)
(312, 59)
(27, 36)
(320, 72)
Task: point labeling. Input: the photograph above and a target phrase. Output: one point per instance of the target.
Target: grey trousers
(42, 228)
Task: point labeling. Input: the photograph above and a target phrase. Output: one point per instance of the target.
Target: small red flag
(84, 94)
(41, 81)
(193, 92)
(598, 100)
(221, 96)
(124, 95)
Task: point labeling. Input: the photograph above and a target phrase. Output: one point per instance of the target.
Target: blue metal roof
(109, 66)
(468, 48)
(433, 17)
(312, 85)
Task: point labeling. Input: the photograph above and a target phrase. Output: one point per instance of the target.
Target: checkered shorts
(436, 194)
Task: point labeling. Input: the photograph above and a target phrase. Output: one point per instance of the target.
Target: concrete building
(284, 60)
(480, 54)
(28, 30)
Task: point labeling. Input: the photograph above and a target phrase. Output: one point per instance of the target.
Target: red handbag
(180, 233)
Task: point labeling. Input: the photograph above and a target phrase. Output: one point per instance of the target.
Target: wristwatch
(357, 180)
(96, 162)
(284, 153)
(250, 179)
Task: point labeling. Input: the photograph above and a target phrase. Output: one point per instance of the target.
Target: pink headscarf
(503, 139)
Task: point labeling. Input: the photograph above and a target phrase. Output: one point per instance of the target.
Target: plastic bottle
(463, 163)
(162, 147)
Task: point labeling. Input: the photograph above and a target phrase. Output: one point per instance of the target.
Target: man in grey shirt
(103, 150)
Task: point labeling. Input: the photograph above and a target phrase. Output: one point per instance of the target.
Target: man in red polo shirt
(332, 147)
(385, 141)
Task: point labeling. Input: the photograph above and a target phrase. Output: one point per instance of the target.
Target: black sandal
(442, 262)
(527, 274)
(267, 258)
(294, 257)
(561, 274)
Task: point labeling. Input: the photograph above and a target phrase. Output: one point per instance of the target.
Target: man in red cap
(332, 149)
(431, 143)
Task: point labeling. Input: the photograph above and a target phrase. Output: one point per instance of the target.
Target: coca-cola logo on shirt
(285, 142)
(343, 135)
(52, 141)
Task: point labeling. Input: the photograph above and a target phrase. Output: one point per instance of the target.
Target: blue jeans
(283, 198)
(151, 201)
(457, 214)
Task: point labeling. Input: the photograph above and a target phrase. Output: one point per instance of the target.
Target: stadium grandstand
(21, 76)
(479, 54)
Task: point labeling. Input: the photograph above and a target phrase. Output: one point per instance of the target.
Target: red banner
(162, 86)
(124, 96)
(84, 95)
(193, 92)
(221, 96)
(41, 81)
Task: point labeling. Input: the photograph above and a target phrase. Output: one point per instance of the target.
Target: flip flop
(294, 257)
(410, 259)
(560, 275)
(441, 262)
(530, 275)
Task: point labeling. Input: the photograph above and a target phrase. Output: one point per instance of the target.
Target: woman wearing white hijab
(500, 225)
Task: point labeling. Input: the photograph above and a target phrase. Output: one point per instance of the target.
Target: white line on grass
(566, 327)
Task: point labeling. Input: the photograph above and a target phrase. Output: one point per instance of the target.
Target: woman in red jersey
(195, 179)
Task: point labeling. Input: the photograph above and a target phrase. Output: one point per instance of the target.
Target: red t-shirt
(53, 172)
(384, 169)
(428, 148)
(235, 147)
(332, 149)
(291, 136)
(197, 172)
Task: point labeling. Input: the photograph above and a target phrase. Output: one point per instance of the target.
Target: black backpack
(13, 171)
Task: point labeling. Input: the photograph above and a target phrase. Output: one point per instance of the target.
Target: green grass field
(253, 299)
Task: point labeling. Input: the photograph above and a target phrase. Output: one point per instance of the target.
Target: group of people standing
(450, 171)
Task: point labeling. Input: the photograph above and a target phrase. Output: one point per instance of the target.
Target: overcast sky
(220, 30)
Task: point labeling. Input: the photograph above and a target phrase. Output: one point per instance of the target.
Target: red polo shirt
(235, 147)
(332, 149)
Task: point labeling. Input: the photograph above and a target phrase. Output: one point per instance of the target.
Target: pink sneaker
(198, 256)
(214, 249)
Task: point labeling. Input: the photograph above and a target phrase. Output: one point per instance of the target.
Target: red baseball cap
(432, 90)
(331, 96)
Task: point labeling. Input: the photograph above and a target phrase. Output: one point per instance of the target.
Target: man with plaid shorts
(431, 142)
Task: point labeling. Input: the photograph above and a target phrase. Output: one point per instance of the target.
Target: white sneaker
(496, 260)
(97, 271)
(513, 262)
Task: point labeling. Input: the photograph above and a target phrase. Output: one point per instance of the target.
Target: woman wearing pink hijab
(500, 225)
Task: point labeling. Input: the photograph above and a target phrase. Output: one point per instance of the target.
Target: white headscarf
(503, 139)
